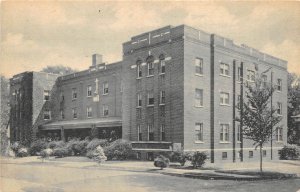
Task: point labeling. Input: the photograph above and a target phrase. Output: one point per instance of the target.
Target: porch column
(62, 134)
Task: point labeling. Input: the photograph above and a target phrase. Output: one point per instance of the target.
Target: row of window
(225, 156)
(89, 90)
(150, 134)
(150, 66)
(225, 71)
(224, 133)
(150, 98)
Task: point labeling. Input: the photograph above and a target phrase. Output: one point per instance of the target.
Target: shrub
(289, 152)
(22, 152)
(37, 146)
(161, 161)
(93, 144)
(46, 153)
(118, 150)
(97, 154)
(77, 147)
(198, 159)
(15, 147)
(56, 144)
(62, 152)
(180, 157)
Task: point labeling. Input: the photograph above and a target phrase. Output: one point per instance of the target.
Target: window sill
(199, 75)
(138, 78)
(198, 106)
(150, 105)
(162, 74)
(225, 105)
(199, 142)
(224, 142)
(150, 76)
(225, 75)
(105, 94)
(162, 104)
(279, 115)
(238, 142)
(138, 107)
(89, 96)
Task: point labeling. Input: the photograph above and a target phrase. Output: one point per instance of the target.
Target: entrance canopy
(83, 123)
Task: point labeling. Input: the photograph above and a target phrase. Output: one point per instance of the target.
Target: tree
(258, 117)
(4, 114)
(59, 69)
(293, 108)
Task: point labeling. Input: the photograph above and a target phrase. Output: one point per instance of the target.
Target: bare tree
(258, 116)
(59, 69)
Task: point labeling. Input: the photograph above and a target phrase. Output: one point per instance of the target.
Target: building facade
(176, 88)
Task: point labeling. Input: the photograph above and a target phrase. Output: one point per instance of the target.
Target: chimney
(97, 59)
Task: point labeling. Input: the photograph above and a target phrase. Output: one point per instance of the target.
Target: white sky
(37, 34)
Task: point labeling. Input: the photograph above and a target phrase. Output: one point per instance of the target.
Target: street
(53, 177)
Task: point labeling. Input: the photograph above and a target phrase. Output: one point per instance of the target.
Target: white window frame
(162, 131)
(162, 98)
(279, 134)
(139, 100)
(279, 84)
(264, 78)
(162, 66)
(62, 115)
(140, 133)
(279, 108)
(224, 133)
(89, 91)
(238, 133)
(223, 156)
(89, 112)
(199, 132)
(105, 88)
(46, 95)
(239, 73)
(74, 93)
(150, 66)
(224, 96)
(74, 113)
(139, 70)
(225, 68)
(150, 128)
(252, 154)
(45, 113)
(198, 97)
(199, 66)
(148, 98)
(105, 108)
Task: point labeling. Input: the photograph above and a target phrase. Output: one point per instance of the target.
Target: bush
(180, 157)
(77, 147)
(37, 146)
(289, 152)
(161, 161)
(56, 144)
(46, 153)
(198, 159)
(93, 144)
(118, 150)
(22, 152)
(15, 147)
(62, 152)
(97, 154)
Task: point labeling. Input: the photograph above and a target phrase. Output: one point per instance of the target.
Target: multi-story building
(176, 88)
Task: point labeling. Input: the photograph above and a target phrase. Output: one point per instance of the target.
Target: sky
(35, 34)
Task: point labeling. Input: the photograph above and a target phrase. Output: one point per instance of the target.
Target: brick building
(176, 87)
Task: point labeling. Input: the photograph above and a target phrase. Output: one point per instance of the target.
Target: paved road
(51, 177)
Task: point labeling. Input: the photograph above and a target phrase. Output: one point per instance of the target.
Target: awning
(83, 123)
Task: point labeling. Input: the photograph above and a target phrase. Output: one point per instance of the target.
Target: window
(199, 132)
(47, 115)
(264, 153)
(250, 75)
(62, 115)
(139, 100)
(224, 133)
(89, 91)
(224, 98)
(279, 133)
(150, 68)
(279, 84)
(46, 95)
(74, 111)
(74, 93)
(264, 78)
(199, 66)
(139, 69)
(239, 73)
(162, 111)
(279, 108)
(105, 110)
(150, 132)
(105, 88)
(89, 113)
(238, 132)
(139, 113)
(162, 132)
(139, 133)
(239, 102)
(224, 69)
(198, 97)
(224, 155)
(162, 97)
(162, 65)
(150, 98)
(250, 154)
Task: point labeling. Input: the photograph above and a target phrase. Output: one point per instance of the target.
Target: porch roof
(83, 123)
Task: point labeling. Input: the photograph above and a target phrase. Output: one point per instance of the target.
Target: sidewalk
(209, 171)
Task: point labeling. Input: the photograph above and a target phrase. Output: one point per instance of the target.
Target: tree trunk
(260, 150)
